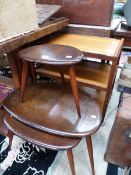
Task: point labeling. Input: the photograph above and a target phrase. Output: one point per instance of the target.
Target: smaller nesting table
(57, 55)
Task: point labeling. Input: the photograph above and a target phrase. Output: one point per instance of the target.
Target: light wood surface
(89, 44)
(88, 73)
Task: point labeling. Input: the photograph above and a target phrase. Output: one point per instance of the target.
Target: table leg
(14, 69)
(71, 161)
(24, 79)
(33, 72)
(62, 77)
(110, 86)
(90, 151)
(74, 87)
(10, 136)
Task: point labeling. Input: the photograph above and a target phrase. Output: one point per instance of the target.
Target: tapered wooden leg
(10, 135)
(71, 161)
(62, 77)
(74, 87)
(33, 72)
(90, 150)
(24, 79)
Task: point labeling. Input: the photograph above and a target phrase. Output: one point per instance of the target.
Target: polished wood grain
(52, 54)
(99, 46)
(39, 137)
(88, 73)
(50, 107)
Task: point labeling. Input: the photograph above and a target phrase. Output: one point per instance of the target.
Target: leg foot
(90, 150)
(10, 135)
(71, 161)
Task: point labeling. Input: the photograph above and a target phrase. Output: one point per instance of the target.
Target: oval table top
(50, 107)
(54, 54)
(38, 137)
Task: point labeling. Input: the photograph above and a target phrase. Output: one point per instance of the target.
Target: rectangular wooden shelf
(88, 73)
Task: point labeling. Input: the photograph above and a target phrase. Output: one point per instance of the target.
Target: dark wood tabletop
(50, 107)
(38, 137)
(53, 54)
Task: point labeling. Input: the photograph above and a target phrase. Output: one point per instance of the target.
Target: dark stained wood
(53, 54)
(53, 112)
(10, 136)
(71, 161)
(24, 79)
(39, 137)
(33, 72)
(15, 43)
(74, 87)
(88, 30)
(90, 150)
(14, 69)
(93, 15)
(123, 33)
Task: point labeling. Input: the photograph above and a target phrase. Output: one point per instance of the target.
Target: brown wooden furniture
(49, 107)
(119, 144)
(43, 139)
(93, 15)
(52, 54)
(123, 33)
(96, 75)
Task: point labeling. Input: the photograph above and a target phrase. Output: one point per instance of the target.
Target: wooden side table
(96, 75)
